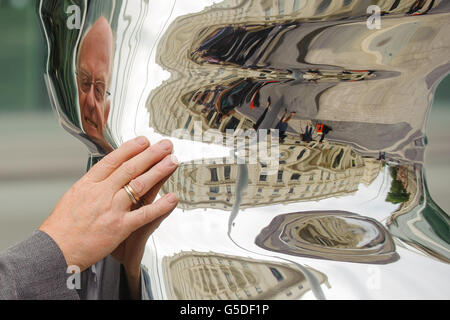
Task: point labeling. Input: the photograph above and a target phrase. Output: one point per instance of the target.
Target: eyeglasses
(85, 83)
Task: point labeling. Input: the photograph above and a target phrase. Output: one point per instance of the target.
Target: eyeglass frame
(105, 95)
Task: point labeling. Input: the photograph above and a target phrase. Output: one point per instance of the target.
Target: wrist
(67, 250)
(133, 276)
(132, 271)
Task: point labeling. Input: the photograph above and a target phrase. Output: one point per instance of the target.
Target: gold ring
(133, 196)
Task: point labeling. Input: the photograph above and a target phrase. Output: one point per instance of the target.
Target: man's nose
(91, 96)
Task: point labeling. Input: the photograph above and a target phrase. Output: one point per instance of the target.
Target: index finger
(103, 169)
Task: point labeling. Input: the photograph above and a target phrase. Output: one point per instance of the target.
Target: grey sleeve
(34, 269)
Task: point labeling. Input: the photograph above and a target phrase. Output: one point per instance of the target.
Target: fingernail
(172, 198)
(174, 159)
(142, 141)
(171, 161)
(165, 144)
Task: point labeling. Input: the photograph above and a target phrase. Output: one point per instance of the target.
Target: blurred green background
(39, 161)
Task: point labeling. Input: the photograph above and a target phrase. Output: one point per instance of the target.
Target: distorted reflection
(208, 275)
(418, 221)
(337, 132)
(94, 72)
(334, 110)
(340, 236)
(326, 73)
(306, 172)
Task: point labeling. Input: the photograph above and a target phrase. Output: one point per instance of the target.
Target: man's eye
(99, 88)
(86, 85)
(99, 91)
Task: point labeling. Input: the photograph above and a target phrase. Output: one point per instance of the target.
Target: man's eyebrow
(81, 70)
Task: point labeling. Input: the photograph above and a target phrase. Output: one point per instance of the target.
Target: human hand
(96, 215)
(131, 250)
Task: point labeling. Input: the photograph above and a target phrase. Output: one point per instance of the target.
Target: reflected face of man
(93, 76)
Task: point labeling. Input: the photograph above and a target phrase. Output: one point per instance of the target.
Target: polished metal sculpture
(300, 128)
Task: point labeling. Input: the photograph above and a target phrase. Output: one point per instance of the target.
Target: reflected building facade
(307, 172)
(393, 55)
(213, 276)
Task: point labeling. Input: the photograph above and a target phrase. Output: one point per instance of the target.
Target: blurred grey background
(39, 161)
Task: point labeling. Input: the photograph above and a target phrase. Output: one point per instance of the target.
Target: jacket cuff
(39, 269)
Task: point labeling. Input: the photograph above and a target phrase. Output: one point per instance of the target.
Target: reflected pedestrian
(283, 124)
(322, 131)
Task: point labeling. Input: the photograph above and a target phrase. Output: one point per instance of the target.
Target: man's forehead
(95, 55)
(95, 59)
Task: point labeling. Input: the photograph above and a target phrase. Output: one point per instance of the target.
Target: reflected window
(214, 189)
(338, 158)
(323, 6)
(295, 176)
(232, 124)
(281, 6)
(300, 155)
(188, 122)
(214, 174)
(280, 176)
(227, 276)
(227, 171)
(210, 115)
(276, 274)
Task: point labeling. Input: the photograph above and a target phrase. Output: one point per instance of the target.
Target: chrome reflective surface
(299, 128)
